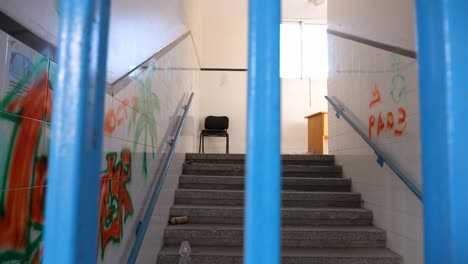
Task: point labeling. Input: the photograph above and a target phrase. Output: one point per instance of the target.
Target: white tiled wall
(142, 118)
(355, 72)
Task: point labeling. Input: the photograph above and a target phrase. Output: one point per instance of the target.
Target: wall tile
(26, 81)
(3, 65)
(395, 207)
(23, 145)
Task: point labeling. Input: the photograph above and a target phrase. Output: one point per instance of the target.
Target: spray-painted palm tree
(147, 105)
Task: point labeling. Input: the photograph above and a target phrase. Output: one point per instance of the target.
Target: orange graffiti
(380, 125)
(371, 125)
(401, 122)
(39, 191)
(376, 96)
(14, 224)
(390, 120)
(115, 117)
(389, 124)
(115, 201)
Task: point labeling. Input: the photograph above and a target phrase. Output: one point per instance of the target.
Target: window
(303, 51)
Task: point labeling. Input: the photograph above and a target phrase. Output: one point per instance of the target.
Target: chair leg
(227, 143)
(199, 145)
(203, 144)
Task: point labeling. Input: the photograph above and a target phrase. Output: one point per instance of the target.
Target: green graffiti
(398, 81)
(147, 105)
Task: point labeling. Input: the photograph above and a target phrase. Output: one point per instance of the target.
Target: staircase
(323, 222)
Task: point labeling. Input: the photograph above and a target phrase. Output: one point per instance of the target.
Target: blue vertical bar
(76, 140)
(263, 183)
(443, 70)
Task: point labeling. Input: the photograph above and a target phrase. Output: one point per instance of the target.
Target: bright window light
(290, 50)
(303, 51)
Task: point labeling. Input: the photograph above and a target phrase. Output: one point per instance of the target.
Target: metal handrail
(381, 158)
(141, 229)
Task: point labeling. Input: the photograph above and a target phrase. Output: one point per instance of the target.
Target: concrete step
(289, 183)
(234, 255)
(290, 198)
(210, 214)
(291, 236)
(318, 160)
(238, 170)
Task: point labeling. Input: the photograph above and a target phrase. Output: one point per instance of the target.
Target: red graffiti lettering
(23, 204)
(389, 124)
(38, 194)
(115, 201)
(371, 125)
(401, 122)
(110, 123)
(376, 96)
(390, 120)
(116, 117)
(380, 125)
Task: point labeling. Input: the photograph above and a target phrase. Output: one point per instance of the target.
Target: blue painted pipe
(263, 164)
(381, 157)
(443, 66)
(77, 127)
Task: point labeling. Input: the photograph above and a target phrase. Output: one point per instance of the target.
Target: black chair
(215, 126)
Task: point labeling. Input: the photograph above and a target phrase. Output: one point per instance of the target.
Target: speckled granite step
(234, 255)
(292, 236)
(238, 170)
(289, 183)
(290, 198)
(204, 214)
(288, 159)
(322, 221)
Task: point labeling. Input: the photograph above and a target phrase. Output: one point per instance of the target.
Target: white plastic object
(184, 252)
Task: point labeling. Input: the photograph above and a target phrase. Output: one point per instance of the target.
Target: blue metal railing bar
(263, 161)
(381, 158)
(71, 227)
(141, 230)
(443, 78)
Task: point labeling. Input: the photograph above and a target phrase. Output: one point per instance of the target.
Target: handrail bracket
(380, 160)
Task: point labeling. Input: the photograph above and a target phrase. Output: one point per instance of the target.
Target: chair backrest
(216, 122)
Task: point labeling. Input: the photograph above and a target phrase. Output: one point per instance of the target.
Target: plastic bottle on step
(184, 252)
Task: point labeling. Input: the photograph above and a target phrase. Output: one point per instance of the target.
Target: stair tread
(284, 228)
(290, 178)
(218, 166)
(291, 252)
(327, 209)
(190, 156)
(283, 192)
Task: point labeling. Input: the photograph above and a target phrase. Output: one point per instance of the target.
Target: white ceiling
(304, 10)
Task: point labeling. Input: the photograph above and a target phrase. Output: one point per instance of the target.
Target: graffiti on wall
(115, 117)
(139, 112)
(23, 171)
(115, 201)
(148, 106)
(398, 90)
(388, 122)
(376, 98)
(394, 121)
